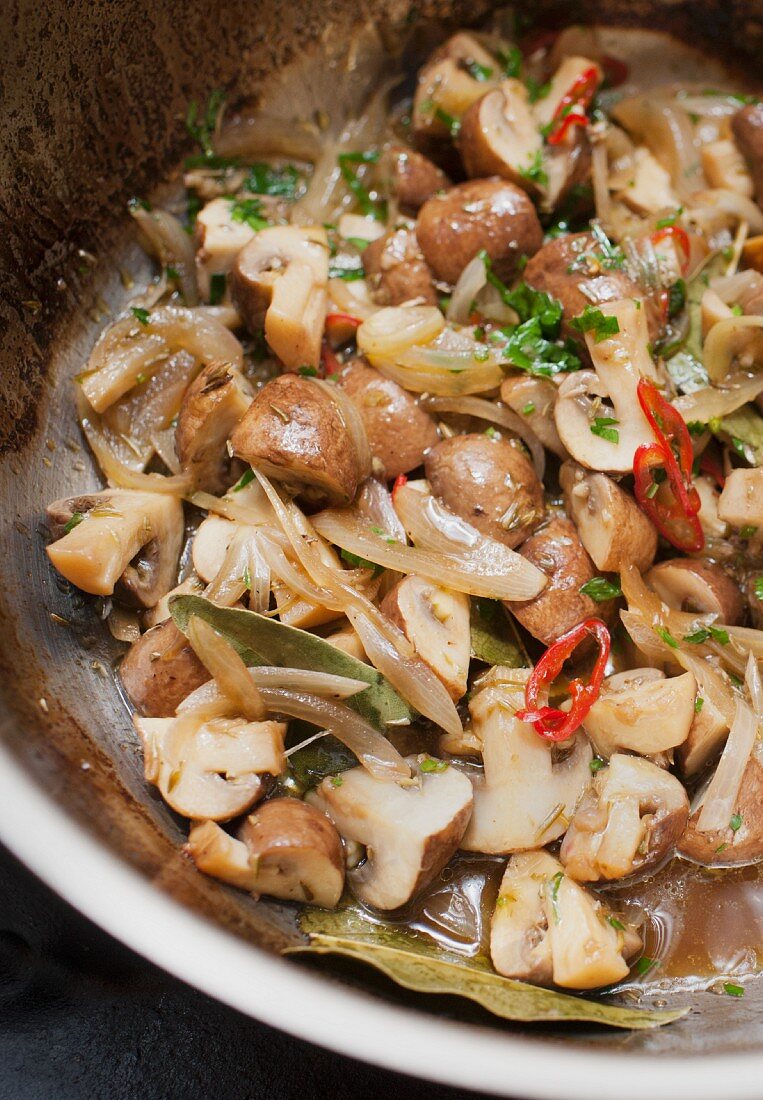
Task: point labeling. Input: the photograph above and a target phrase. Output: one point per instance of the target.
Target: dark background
(84, 1018)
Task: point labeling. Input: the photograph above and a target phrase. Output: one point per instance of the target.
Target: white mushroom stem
(646, 715)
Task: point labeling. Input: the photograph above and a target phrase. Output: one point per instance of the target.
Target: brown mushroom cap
(414, 178)
(691, 584)
(499, 136)
(399, 431)
(160, 670)
(729, 846)
(587, 284)
(557, 550)
(747, 127)
(294, 432)
(397, 271)
(489, 213)
(612, 527)
(488, 482)
(212, 407)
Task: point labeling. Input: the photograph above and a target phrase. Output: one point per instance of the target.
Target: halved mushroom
(706, 736)
(741, 841)
(410, 829)
(691, 584)
(212, 406)
(397, 271)
(598, 436)
(500, 136)
(490, 483)
(414, 178)
(457, 74)
(649, 188)
(121, 541)
(490, 214)
(556, 549)
(159, 670)
(298, 433)
(630, 820)
(210, 768)
(747, 127)
(568, 162)
(287, 849)
(741, 500)
(534, 399)
(547, 929)
(220, 240)
(612, 527)
(399, 430)
(641, 711)
(529, 788)
(279, 280)
(436, 623)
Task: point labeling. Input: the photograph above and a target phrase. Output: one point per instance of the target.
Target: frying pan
(92, 100)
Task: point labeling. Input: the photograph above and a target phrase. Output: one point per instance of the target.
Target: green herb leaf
(243, 481)
(336, 781)
(600, 589)
(597, 764)
(249, 212)
(141, 315)
(616, 924)
(308, 372)
(748, 531)
(417, 963)
(528, 349)
(528, 409)
(733, 990)
(676, 298)
(430, 764)
(349, 163)
(757, 588)
(702, 633)
(536, 91)
(216, 288)
(494, 639)
(349, 268)
(535, 171)
(511, 61)
(477, 71)
(359, 242)
(602, 427)
(699, 703)
(744, 430)
(202, 127)
(527, 303)
(593, 320)
(670, 219)
(282, 183)
(645, 964)
(735, 823)
(360, 563)
(667, 637)
(262, 641)
(554, 884)
(452, 124)
(77, 518)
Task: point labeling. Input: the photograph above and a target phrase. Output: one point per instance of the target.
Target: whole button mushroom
(747, 128)
(489, 214)
(414, 178)
(159, 670)
(488, 482)
(397, 271)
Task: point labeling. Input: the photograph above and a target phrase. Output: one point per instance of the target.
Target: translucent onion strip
(390, 331)
(718, 401)
(442, 371)
(230, 673)
(325, 684)
(496, 414)
(722, 793)
(733, 340)
(470, 282)
(172, 246)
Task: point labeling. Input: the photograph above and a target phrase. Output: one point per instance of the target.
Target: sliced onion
(497, 414)
(445, 371)
(713, 401)
(259, 578)
(733, 340)
(230, 673)
(292, 577)
(375, 504)
(667, 130)
(172, 246)
(736, 207)
(228, 585)
(224, 315)
(731, 288)
(325, 684)
(253, 514)
(119, 475)
(487, 569)
(470, 282)
(395, 328)
(722, 793)
(353, 298)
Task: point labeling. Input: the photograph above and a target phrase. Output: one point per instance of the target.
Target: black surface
(84, 1018)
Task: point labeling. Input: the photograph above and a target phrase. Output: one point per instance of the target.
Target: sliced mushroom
(210, 545)
(713, 310)
(534, 399)
(724, 166)
(210, 768)
(499, 136)
(691, 584)
(490, 214)
(399, 430)
(348, 640)
(118, 540)
(630, 820)
(286, 849)
(213, 405)
(556, 549)
(436, 623)
(529, 788)
(414, 178)
(712, 525)
(569, 162)
(455, 76)
(159, 670)
(397, 271)
(649, 188)
(490, 483)
(279, 280)
(747, 127)
(296, 432)
(641, 711)
(410, 829)
(741, 841)
(599, 436)
(612, 527)
(741, 500)
(706, 735)
(220, 240)
(547, 929)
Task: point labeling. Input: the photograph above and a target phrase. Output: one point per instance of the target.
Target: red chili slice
(329, 361)
(573, 105)
(680, 236)
(615, 71)
(558, 725)
(710, 464)
(398, 483)
(669, 427)
(676, 518)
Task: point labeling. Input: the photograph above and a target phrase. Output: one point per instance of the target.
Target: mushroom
(397, 271)
(120, 541)
(279, 280)
(297, 432)
(456, 75)
(160, 670)
(747, 128)
(534, 398)
(573, 270)
(641, 711)
(399, 430)
(414, 179)
(210, 767)
(629, 821)
(706, 735)
(220, 240)
(556, 549)
(529, 788)
(490, 483)
(599, 436)
(649, 188)
(712, 525)
(212, 406)
(612, 527)
(410, 829)
(547, 929)
(691, 584)
(724, 166)
(490, 214)
(436, 623)
(348, 641)
(499, 136)
(287, 849)
(741, 841)
(713, 310)
(741, 500)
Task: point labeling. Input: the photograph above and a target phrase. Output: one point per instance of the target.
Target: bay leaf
(416, 963)
(494, 638)
(262, 641)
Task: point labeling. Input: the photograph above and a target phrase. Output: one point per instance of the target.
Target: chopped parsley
(172, 273)
(529, 409)
(616, 924)
(600, 589)
(336, 781)
(757, 588)
(526, 302)
(263, 179)
(670, 219)
(536, 91)
(348, 268)
(735, 823)
(452, 124)
(602, 426)
(141, 315)
(702, 633)
(676, 298)
(696, 427)
(699, 703)
(511, 60)
(308, 372)
(243, 481)
(747, 531)
(349, 164)
(528, 349)
(733, 990)
(594, 321)
(201, 127)
(555, 883)
(360, 243)
(360, 563)
(596, 764)
(246, 578)
(663, 633)
(248, 212)
(476, 71)
(645, 964)
(77, 518)
(216, 288)
(535, 171)
(429, 764)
